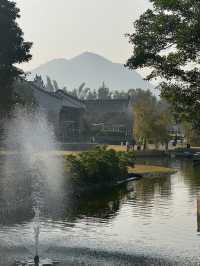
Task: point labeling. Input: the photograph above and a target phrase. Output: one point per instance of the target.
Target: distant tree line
(102, 93)
(83, 92)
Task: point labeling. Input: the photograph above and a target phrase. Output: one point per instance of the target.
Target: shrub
(101, 165)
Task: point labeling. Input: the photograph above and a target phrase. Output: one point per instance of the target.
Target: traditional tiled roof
(70, 100)
(66, 99)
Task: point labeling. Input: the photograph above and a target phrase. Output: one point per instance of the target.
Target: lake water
(148, 222)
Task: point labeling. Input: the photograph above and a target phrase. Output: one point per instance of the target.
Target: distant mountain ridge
(92, 69)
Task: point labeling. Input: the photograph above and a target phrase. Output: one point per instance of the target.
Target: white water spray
(36, 228)
(32, 139)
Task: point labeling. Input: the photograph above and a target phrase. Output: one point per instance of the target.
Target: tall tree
(144, 117)
(13, 50)
(92, 95)
(152, 119)
(167, 41)
(119, 94)
(81, 92)
(163, 123)
(191, 135)
(104, 92)
(55, 84)
(39, 81)
(49, 85)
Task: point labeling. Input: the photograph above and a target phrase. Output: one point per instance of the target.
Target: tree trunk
(145, 144)
(166, 146)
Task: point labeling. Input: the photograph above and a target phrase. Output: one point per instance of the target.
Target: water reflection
(100, 206)
(191, 176)
(150, 216)
(198, 213)
(103, 204)
(16, 204)
(148, 189)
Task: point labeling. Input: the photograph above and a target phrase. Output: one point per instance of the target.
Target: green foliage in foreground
(13, 50)
(166, 40)
(101, 165)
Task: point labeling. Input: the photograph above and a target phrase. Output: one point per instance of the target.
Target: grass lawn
(46, 153)
(142, 169)
(117, 147)
(64, 153)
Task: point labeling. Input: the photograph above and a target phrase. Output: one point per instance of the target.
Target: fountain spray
(33, 139)
(36, 228)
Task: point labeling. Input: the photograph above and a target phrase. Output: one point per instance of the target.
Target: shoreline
(146, 170)
(135, 174)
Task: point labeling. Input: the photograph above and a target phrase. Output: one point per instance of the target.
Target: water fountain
(31, 135)
(36, 261)
(36, 228)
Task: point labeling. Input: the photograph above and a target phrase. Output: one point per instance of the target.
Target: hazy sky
(66, 28)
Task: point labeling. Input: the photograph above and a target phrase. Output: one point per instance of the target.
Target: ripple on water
(157, 219)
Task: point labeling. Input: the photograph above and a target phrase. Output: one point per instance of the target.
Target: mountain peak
(92, 69)
(90, 57)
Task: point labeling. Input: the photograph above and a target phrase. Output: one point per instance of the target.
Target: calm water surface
(148, 222)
